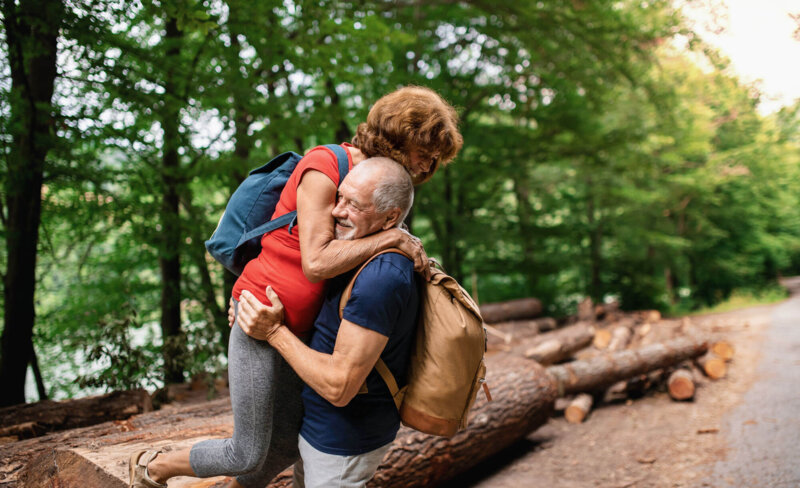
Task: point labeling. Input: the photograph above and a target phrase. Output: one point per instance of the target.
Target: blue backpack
(246, 219)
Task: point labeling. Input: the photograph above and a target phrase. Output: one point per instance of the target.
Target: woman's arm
(322, 255)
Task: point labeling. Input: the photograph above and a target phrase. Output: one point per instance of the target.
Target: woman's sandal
(137, 468)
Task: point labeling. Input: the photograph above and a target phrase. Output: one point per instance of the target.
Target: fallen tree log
(523, 308)
(620, 337)
(561, 344)
(513, 331)
(35, 419)
(96, 456)
(604, 370)
(523, 400)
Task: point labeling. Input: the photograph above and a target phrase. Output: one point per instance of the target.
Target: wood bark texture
(523, 308)
(606, 369)
(96, 456)
(620, 337)
(523, 399)
(562, 343)
(35, 419)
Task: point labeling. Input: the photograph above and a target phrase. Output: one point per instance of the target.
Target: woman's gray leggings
(267, 412)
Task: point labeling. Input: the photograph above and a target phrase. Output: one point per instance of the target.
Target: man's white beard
(344, 233)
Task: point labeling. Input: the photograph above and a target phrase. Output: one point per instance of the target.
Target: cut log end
(723, 350)
(577, 410)
(681, 385)
(601, 338)
(713, 366)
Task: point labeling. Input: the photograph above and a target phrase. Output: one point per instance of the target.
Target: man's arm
(336, 377)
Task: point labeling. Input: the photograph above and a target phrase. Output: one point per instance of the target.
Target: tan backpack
(446, 368)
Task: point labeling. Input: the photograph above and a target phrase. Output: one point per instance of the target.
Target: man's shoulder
(389, 267)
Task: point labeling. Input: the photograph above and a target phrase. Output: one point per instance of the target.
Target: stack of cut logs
(536, 367)
(604, 354)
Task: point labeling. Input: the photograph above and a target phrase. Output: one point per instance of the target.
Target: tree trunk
(36, 419)
(96, 456)
(31, 31)
(37, 375)
(560, 344)
(523, 308)
(173, 346)
(604, 370)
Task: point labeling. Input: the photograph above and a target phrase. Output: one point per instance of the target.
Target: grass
(744, 298)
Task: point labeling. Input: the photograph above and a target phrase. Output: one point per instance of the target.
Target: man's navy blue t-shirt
(384, 299)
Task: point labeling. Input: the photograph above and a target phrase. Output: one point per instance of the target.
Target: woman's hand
(257, 320)
(412, 246)
(231, 312)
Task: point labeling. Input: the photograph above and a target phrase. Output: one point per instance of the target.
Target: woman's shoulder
(321, 159)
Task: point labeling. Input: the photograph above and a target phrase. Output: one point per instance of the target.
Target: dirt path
(723, 438)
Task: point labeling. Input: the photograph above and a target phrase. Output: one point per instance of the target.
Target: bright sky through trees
(758, 37)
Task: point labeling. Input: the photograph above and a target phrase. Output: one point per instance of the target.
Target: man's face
(355, 213)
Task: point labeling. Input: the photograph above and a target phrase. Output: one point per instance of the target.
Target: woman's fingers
(231, 312)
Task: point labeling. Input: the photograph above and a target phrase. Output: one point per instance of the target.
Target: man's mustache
(344, 222)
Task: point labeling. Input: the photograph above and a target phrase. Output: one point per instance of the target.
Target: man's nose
(338, 210)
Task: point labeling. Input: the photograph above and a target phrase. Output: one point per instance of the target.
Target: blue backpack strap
(341, 157)
(268, 227)
(344, 168)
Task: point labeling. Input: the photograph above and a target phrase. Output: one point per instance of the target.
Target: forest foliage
(608, 153)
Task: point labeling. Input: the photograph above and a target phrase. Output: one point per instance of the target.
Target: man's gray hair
(394, 189)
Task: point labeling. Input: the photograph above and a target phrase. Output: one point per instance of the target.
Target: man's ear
(392, 218)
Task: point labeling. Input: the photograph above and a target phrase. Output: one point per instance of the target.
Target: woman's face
(419, 166)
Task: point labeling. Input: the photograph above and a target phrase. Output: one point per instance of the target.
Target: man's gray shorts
(316, 469)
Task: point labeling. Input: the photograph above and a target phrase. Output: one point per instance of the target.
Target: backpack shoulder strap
(341, 158)
(349, 288)
(380, 366)
(343, 163)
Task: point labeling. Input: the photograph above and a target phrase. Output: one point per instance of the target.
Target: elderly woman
(415, 127)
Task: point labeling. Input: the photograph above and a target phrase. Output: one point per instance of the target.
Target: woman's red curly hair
(408, 119)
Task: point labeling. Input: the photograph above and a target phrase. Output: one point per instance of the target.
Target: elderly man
(344, 433)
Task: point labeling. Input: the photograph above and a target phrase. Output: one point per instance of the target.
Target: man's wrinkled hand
(258, 320)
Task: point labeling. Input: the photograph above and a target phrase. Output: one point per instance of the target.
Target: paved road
(763, 432)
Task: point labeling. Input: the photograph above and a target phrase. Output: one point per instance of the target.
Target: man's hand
(412, 246)
(257, 320)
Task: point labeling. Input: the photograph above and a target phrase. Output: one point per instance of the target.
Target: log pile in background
(626, 355)
(521, 309)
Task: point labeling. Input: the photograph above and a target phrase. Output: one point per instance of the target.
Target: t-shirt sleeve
(321, 159)
(381, 292)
